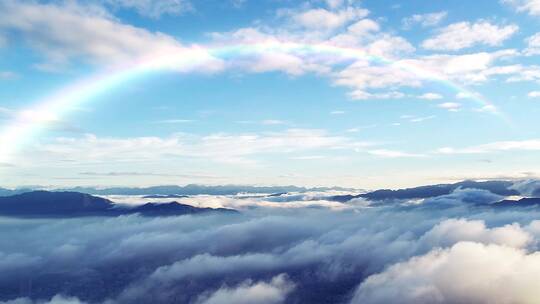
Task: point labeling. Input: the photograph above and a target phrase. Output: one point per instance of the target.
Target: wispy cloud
(173, 121)
(8, 75)
(430, 96)
(270, 122)
(424, 20)
(394, 154)
(499, 146)
(534, 94)
(450, 106)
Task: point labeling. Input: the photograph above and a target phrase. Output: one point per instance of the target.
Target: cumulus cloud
(64, 32)
(465, 34)
(272, 292)
(56, 33)
(322, 19)
(465, 273)
(364, 27)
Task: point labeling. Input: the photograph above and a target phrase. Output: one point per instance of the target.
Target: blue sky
(391, 112)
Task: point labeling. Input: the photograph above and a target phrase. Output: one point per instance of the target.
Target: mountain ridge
(76, 204)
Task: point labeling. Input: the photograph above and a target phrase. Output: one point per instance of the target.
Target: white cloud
(269, 122)
(362, 95)
(279, 61)
(393, 154)
(154, 8)
(430, 96)
(534, 94)
(452, 231)
(465, 34)
(463, 95)
(70, 31)
(221, 147)
(530, 6)
(450, 106)
(466, 273)
(533, 45)
(499, 146)
(273, 292)
(325, 20)
(57, 299)
(363, 27)
(488, 109)
(424, 20)
(421, 119)
(73, 33)
(526, 73)
(361, 76)
(473, 67)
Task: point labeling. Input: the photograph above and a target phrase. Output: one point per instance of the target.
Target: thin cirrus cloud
(153, 9)
(272, 122)
(221, 147)
(394, 154)
(173, 121)
(499, 146)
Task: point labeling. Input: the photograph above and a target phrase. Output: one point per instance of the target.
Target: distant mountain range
(497, 187)
(191, 189)
(76, 204)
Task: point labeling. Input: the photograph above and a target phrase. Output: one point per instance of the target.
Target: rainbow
(28, 123)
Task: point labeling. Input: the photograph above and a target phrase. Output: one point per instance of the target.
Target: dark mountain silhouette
(524, 202)
(75, 204)
(53, 203)
(174, 208)
(496, 187)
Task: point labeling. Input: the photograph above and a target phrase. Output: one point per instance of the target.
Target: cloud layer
(282, 249)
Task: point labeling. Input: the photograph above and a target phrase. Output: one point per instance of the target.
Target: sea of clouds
(294, 248)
